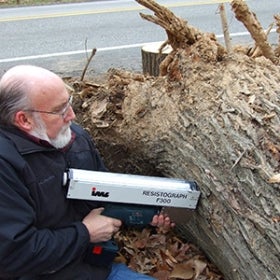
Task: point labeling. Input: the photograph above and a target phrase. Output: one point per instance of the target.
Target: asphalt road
(60, 37)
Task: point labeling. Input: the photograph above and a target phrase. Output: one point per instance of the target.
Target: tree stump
(152, 57)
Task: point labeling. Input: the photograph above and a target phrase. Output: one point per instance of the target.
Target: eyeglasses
(61, 112)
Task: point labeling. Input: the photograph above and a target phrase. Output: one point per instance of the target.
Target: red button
(97, 250)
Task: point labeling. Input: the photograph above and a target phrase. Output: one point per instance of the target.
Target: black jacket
(41, 233)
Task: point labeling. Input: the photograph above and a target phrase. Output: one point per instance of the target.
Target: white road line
(68, 53)
(34, 57)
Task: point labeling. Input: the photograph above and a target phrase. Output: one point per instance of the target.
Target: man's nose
(70, 115)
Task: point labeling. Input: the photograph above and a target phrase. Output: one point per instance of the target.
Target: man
(43, 235)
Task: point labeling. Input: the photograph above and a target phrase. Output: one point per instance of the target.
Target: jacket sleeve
(25, 248)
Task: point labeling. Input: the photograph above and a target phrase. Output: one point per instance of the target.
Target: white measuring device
(131, 189)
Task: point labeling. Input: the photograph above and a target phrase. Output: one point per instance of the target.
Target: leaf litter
(163, 255)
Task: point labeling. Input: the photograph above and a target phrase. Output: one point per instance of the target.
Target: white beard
(63, 138)
(60, 141)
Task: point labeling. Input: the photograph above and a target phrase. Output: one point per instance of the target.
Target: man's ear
(23, 121)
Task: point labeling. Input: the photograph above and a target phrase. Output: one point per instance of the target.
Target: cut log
(152, 56)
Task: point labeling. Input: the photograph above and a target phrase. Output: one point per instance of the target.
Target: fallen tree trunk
(213, 118)
(224, 135)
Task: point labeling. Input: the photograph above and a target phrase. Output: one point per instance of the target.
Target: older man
(43, 235)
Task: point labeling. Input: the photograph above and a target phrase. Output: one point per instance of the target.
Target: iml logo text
(95, 192)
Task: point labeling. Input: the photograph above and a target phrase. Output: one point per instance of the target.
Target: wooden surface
(152, 57)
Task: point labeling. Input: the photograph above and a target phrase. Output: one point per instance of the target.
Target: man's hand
(100, 228)
(163, 222)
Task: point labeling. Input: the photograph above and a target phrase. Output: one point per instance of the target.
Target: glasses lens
(65, 110)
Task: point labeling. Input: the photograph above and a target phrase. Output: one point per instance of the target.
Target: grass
(19, 3)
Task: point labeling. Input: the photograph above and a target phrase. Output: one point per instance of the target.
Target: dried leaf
(120, 258)
(182, 253)
(140, 243)
(98, 108)
(100, 123)
(199, 267)
(182, 271)
(168, 254)
(157, 239)
(161, 275)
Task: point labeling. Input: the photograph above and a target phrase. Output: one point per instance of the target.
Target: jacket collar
(26, 143)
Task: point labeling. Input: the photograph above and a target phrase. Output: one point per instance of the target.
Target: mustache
(66, 127)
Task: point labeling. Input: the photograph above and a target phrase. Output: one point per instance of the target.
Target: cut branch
(255, 52)
(225, 27)
(178, 31)
(277, 18)
(249, 19)
(93, 52)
